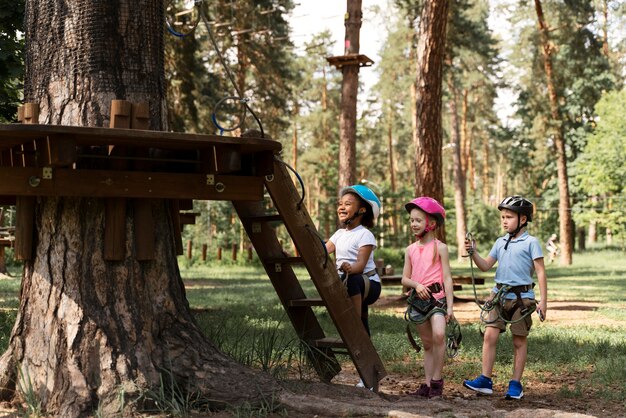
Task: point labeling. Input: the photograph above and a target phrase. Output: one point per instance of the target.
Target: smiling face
(348, 206)
(509, 220)
(419, 220)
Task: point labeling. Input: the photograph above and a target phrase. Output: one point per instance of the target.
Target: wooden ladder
(353, 339)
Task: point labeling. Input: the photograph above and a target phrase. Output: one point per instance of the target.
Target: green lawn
(240, 312)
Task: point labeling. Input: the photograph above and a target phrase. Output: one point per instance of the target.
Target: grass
(238, 309)
(246, 298)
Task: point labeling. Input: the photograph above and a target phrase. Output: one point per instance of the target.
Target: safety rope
(239, 96)
(498, 300)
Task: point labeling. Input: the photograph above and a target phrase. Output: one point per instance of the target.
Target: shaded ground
(542, 399)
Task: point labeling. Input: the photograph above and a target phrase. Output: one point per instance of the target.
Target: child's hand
(470, 246)
(346, 267)
(422, 291)
(541, 310)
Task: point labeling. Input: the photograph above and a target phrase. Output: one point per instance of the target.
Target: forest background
(297, 96)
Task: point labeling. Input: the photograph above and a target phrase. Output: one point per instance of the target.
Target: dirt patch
(554, 396)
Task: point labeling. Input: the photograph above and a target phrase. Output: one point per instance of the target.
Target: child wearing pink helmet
(427, 272)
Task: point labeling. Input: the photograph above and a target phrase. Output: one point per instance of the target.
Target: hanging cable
(232, 80)
(299, 205)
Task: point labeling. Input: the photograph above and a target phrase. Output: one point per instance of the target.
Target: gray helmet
(518, 205)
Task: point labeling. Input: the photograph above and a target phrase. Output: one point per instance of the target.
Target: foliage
(600, 171)
(252, 37)
(11, 58)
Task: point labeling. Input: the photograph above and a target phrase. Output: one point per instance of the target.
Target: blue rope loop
(192, 28)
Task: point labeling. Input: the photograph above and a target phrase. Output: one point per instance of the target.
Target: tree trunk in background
(392, 174)
(565, 215)
(349, 91)
(87, 329)
(427, 135)
(459, 175)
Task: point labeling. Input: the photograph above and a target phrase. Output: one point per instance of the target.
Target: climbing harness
(419, 310)
(366, 281)
(453, 338)
(497, 301)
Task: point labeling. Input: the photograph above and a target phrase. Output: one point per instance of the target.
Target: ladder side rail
(324, 275)
(287, 288)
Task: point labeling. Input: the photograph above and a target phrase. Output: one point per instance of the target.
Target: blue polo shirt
(516, 263)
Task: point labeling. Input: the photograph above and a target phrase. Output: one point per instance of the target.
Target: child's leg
(490, 342)
(426, 335)
(438, 328)
(520, 352)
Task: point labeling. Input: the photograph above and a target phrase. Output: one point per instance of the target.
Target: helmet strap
(514, 233)
(352, 218)
(427, 229)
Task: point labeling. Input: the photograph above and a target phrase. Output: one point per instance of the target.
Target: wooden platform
(50, 160)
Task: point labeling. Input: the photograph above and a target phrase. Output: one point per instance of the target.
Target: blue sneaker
(481, 384)
(515, 390)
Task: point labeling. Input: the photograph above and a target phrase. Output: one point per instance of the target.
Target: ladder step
(284, 260)
(266, 218)
(329, 342)
(307, 302)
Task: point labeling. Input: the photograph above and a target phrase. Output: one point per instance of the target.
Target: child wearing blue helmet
(354, 245)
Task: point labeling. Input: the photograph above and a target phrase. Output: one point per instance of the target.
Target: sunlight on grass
(239, 311)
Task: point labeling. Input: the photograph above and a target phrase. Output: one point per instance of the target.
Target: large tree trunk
(459, 174)
(565, 216)
(427, 134)
(87, 329)
(349, 91)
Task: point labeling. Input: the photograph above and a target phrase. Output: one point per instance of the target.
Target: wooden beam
(115, 208)
(16, 134)
(29, 181)
(187, 218)
(59, 150)
(142, 208)
(175, 215)
(24, 227)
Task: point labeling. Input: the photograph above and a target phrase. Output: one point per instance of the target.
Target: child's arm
(421, 290)
(361, 261)
(448, 285)
(540, 270)
(483, 264)
(330, 247)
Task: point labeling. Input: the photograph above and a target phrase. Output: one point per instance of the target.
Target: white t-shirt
(347, 244)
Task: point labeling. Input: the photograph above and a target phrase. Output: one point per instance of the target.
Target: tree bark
(89, 329)
(459, 174)
(349, 91)
(427, 134)
(565, 216)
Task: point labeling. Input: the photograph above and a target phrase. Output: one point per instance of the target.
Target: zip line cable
(190, 21)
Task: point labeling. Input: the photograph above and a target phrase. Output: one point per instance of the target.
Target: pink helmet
(429, 206)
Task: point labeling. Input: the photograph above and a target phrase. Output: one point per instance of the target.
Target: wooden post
(219, 254)
(189, 247)
(142, 210)
(115, 208)
(234, 252)
(175, 216)
(204, 250)
(3, 264)
(249, 252)
(25, 206)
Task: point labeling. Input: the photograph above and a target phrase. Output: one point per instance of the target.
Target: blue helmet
(366, 194)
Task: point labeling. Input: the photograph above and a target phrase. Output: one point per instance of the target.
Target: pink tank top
(423, 270)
